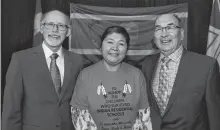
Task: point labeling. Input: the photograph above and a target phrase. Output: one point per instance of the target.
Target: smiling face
(168, 40)
(53, 37)
(114, 49)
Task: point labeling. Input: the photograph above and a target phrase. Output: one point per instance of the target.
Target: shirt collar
(175, 56)
(48, 52)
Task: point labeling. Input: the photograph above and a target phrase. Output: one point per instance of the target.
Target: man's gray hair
(174, 15)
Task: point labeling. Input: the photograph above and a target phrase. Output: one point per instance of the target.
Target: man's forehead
(166, 19)
(55, 16)
(54, 13)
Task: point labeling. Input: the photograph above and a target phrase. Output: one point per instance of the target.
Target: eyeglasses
(169, 28)
(50, 26)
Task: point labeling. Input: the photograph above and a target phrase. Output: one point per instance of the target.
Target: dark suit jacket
(195, 99)
(30, 99)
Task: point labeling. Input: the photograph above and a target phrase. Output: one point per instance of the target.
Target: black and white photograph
(110, 65)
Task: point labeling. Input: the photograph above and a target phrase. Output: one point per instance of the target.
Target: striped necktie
(163, 96)
(55, 73)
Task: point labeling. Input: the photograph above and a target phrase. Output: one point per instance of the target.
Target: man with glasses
(183, 87)
(40, 81)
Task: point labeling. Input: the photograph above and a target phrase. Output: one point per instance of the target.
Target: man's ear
(182, 33)
(41, 27)
(154, 43)
(68, 32)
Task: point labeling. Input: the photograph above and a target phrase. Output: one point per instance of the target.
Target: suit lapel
(179, 81)
(67, 72)
(152, 74)
(40, 62)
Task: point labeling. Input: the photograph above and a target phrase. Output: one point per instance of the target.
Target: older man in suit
(40, 81)
(183, 87)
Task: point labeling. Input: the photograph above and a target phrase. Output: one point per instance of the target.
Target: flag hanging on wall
(213, 46)
(89, 22)
(37, 39)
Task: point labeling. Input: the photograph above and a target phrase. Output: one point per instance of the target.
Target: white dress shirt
(59, 60)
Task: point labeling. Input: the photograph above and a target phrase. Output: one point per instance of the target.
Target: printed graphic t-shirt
(115, 110)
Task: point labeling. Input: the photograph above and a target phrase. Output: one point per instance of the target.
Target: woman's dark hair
(116, 29)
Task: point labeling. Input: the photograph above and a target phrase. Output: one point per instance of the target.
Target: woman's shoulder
(92, 68)
(130, 68)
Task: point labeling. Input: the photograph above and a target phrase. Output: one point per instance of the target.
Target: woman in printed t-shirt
(111, 94)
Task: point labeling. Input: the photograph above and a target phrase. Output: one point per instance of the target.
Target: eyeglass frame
(57, 26)
(167, 29)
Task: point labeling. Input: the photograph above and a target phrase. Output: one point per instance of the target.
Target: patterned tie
(55, 73)
(163, 95)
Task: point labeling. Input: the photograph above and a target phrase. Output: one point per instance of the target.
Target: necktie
(55, 73)
(163, 96)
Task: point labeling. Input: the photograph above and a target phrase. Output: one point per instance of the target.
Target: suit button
(57, 126)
